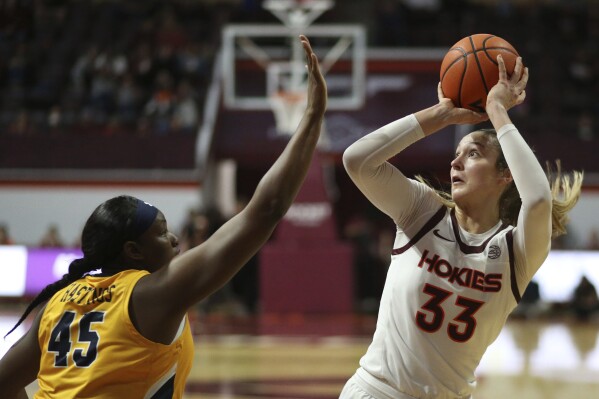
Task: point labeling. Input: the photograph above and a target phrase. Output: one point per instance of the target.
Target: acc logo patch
(494, 252)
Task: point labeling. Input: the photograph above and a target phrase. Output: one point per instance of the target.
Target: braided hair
(102, 239)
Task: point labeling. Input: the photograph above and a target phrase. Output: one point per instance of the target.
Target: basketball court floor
(294, 356)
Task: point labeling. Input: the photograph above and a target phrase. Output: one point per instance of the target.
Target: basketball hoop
(297, 14)
(288, 108)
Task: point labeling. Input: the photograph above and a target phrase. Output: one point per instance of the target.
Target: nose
(174, 239)
(456, 163)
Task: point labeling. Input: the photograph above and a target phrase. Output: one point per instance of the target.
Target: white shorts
(351, 390)
(356, 388)
(359, 388)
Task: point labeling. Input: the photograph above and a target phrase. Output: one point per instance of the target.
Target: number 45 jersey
(91, 349)
(447, 296)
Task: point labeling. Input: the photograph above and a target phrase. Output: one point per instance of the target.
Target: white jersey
(448, 292)
(446, 299)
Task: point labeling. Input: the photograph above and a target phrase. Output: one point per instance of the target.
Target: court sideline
(295, 356)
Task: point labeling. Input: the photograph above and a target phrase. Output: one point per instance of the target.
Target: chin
(457, 196)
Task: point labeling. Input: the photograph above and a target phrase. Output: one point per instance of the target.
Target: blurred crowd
(110, 67)
(371, 245)
(113, 67)
(104, 67)
(558, 40)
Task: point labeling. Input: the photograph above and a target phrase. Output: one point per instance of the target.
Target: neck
(120, 264)
(476, 221)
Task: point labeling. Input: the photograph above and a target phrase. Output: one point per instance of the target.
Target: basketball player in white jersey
(460, 262)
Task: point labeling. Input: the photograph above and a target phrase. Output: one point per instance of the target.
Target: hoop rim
(288, 96)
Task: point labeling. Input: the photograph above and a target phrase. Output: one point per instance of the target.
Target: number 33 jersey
(447, 296)
(91, 349)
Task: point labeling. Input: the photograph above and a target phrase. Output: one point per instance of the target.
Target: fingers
(521, 97)
(501, 65)
(517, 70)
(308, 51)
(315, 63)
(440, 92)
(521, 85)
(477, 117)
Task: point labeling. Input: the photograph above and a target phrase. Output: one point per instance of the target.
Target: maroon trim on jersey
(437, 217)
(471, 249)
(510, 249)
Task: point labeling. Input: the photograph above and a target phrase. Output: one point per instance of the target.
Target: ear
(132, 251)
(506, 176)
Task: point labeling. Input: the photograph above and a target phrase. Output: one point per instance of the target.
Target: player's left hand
(317, 87)
(509, 90)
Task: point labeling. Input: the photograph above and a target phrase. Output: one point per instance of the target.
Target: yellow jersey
(91, 349)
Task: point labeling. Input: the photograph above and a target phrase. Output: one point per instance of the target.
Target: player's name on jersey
(85, 294)
(462, 276)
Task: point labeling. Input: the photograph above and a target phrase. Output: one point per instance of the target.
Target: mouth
(456, 180)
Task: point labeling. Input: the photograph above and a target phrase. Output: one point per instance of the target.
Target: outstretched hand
(509, 90)
(458, 116)
(317, 87)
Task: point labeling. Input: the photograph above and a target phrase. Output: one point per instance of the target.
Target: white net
(288, 108)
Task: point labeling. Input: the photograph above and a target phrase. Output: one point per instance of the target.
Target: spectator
(82, 71)
(102, 93)
(244, 287)
(21, 125)
(185, 112)
(193, 61)
(170, 33)
(369, 268)
(585, 302)
(593, 242)
(160, 107)
(5, 236)
(18, 68)
(52, 238)
(128, 97)
(530, 305)
(143, 65)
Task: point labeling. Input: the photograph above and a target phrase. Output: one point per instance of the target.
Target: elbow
(537, 196)
(270, 213)
(351, 161)
(541, 203)
(276, 211)
(545, 197)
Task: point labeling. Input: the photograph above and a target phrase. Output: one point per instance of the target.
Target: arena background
(108, 97)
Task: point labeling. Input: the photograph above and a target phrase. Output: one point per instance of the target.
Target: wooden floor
(299, 357)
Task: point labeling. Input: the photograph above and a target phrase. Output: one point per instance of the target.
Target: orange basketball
(469, 69)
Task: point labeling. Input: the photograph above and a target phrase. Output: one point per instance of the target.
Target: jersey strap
(432, 222)
(509, 237)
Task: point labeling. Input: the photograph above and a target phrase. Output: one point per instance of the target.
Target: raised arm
(533, 231)
(200, 271)
(384, 185)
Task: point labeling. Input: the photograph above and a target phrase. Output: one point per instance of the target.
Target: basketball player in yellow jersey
(123, 332)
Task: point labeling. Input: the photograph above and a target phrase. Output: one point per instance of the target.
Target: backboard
(262, 60)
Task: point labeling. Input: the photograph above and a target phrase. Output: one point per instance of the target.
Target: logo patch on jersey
(436, 233)
(494, 252)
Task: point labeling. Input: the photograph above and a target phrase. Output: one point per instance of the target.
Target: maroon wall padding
(305, 268)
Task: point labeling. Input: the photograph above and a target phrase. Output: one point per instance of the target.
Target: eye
(473, 153)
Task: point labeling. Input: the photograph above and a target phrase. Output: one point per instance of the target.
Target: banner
(26, 271)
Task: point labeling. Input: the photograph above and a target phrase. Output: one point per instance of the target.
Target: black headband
(145, 215)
